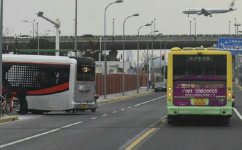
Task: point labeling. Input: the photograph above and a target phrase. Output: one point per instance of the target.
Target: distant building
(113, 67)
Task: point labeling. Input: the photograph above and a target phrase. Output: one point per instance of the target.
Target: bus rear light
(169, 94)
(169, 88)
(229, 94)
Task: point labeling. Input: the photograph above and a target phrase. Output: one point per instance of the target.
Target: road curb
(10, 118)
(125, 97)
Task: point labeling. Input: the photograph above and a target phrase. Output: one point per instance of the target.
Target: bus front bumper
(193, 110)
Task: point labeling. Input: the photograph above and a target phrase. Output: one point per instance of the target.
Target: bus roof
(38, 59)
(198, 50)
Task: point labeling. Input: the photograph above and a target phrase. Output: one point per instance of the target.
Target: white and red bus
(53, 83)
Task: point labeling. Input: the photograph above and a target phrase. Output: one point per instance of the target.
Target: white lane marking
(38, 135)
(137, 105)
(93, 118)
(71, 125)
(129, 107)
(105, 115)
(123, 109)
(237, 113)
(114, 112)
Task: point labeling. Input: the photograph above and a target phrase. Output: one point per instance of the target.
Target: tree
(43, 44)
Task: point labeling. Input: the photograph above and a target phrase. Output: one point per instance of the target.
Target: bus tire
(93, 109)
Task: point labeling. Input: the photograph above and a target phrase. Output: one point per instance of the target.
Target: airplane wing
(203, 11)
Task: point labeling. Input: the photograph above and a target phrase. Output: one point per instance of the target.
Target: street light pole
(138, 69)
(113, 27)
(38, 35)
(1, 49)
(105, 65)
(195, 26)
(148, 71)
(235, 26)
(76, 27)
(123, 83)
(165, 60)
(152, 62)
(57, 26)
(229, 27)
(190, 27)
(160, 61)
(30, 22)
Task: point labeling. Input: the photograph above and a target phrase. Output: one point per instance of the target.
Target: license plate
(199, 102)
(84, 106)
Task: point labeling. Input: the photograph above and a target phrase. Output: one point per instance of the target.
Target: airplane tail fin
(231, 5)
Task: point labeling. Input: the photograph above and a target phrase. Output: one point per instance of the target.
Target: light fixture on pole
(134, 15)
(57, 26)
(138, 69)
(105, 65)
(30, 22)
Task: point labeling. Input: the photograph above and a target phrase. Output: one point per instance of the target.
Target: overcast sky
(168, 14)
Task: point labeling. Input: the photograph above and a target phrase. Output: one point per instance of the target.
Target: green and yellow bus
(199, 84)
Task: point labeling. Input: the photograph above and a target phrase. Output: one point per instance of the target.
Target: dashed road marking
(38, 135)
(71, 125)
(93, 118)
(105, 115)
(129, 107)
(114, 112)
(236, 111)
(123, 109)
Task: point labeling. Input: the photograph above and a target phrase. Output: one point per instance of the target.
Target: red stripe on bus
(34, 63)
(50, 90)
(54, 89)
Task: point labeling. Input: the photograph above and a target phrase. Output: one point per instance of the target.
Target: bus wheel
(93, 110)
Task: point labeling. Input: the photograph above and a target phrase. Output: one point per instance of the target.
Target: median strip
(9, 118)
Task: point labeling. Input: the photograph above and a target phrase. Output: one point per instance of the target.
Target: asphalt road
(137, 123)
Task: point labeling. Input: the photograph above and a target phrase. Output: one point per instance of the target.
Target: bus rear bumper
(85, 106)
(193, 110)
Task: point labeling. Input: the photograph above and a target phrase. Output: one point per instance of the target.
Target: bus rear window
(85, 73)
(185, 65)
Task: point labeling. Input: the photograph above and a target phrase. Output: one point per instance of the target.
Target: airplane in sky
(209, 11)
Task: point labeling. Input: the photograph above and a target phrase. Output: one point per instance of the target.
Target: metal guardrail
(117, 36)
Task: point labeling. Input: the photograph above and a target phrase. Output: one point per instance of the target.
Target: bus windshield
(202, 65)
